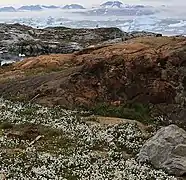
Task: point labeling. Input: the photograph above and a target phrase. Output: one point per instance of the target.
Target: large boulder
(166, 150)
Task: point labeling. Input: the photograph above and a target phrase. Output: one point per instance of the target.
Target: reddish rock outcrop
(146, 70)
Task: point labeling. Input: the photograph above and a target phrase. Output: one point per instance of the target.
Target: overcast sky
(83, 2)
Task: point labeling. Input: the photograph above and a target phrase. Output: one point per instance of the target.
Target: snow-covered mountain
(117, 8)
(119, 5)
(73, 6)
(8, 9)
(40, 7)
(30, 8)
(112, 4)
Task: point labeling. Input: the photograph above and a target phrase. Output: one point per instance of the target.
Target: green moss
(54, 141)
(136, 111)
(6, 125)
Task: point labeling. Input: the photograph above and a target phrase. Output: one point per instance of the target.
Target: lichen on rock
(166, 150)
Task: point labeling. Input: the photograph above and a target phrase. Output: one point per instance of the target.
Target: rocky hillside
(149, 71)
(122, 91)
(16, 39)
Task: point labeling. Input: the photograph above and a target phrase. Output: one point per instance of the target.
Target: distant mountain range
(40, 7)
(7, 9)
(117, 8)
(104, 8)
(30, 8)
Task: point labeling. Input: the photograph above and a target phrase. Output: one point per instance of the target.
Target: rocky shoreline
(17, 40)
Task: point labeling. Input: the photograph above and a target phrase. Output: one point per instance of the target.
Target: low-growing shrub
(6, 125)
(135, 111)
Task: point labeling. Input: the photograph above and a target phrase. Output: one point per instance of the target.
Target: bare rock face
(148, 70)
(18, 39)
(166, 150)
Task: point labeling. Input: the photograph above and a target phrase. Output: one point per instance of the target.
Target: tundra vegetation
(38, 142)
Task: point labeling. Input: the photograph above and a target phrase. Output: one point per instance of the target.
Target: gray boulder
(166, 150)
